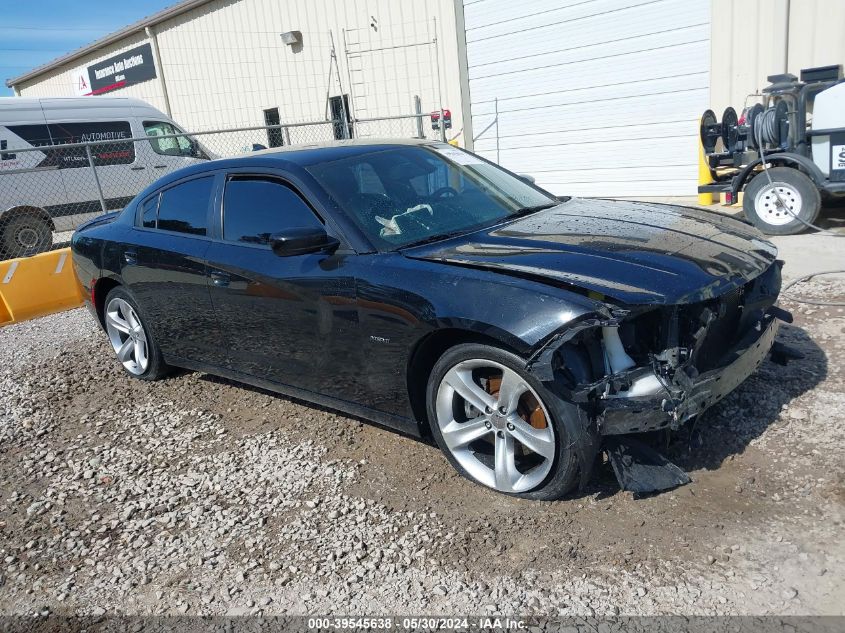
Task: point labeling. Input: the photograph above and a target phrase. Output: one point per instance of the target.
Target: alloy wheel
(495, 426)
(127, 336)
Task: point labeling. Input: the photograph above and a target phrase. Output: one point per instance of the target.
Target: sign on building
(125, 69)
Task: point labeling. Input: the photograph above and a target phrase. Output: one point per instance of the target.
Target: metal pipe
(496, 106)
(346, 131)
(157, 57)
(139, 139)
(96, 178)
(439, 88)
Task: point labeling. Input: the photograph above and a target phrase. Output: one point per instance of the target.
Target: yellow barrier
(704, 175)
(31, 287)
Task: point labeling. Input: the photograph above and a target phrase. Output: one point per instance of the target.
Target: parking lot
(201, 496)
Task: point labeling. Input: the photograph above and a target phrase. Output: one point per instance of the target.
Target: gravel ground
(200, 496)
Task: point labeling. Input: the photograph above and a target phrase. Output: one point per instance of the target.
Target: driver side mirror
(301, 241)
(527, 178)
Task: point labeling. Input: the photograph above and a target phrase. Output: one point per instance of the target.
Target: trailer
(785, 154)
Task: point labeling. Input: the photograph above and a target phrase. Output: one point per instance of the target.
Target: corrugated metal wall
(60, 82)
(594, 98)
(224, 62)
(756, 38)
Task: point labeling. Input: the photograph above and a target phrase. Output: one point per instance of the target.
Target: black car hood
(633, 252)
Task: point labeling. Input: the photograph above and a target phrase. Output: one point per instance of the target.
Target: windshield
(405, 195)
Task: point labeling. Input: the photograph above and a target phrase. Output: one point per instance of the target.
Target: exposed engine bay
(681, 358)
(653, 368)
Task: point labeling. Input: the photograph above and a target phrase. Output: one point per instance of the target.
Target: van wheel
(775, 207)
(25, 234)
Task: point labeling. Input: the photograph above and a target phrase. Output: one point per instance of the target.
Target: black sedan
(429, 290)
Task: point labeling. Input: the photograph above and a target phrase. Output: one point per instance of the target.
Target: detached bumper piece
(640, 469)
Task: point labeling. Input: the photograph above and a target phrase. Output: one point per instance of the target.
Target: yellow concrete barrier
(704, 175)
(31, 287)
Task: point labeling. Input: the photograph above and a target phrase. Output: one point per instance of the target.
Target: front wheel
(778, 207)
(130, 337)
(498, 425)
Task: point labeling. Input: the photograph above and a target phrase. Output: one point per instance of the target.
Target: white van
(54, 189)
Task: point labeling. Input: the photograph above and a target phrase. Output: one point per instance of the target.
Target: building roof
(139, 26)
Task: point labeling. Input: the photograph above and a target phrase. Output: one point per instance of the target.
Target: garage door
(595, 97)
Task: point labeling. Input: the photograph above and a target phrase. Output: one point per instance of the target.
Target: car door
(291, 320)
(164, 266)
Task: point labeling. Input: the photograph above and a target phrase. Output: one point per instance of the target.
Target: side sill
(394, 422)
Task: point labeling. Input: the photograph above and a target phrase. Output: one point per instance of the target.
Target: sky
(33, 32)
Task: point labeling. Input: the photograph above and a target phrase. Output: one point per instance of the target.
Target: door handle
(136, 168)
(159, 166)
(219, 279)
(130, 257)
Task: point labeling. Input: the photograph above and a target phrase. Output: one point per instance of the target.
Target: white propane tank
(828, 113)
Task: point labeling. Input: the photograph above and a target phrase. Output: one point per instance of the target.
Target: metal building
(214, 64)
(591, 97)
(604, 97)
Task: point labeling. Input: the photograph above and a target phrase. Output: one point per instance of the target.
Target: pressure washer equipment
(799, 129)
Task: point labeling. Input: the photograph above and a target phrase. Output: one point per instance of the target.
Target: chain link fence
(48, 189)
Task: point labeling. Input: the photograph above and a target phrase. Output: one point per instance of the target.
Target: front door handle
(130, 257)
(159, 166)
(219, 279)
(137, 168)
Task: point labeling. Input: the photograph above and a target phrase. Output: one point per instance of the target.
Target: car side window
(256, 207)
(149, 212)
(170, 146)
(184, 208)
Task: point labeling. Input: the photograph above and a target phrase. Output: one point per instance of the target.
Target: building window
(274, 136)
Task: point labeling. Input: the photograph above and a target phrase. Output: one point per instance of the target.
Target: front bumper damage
(688, 358)
(680, 398)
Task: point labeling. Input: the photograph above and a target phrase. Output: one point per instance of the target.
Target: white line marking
(61, 263)
(12, 268)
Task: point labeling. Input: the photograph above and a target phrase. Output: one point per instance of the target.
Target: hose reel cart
(798, 131)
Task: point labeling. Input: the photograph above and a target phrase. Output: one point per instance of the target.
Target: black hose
(760, 132)
(812, 301)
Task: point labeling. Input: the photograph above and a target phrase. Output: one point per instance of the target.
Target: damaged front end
(637, 370)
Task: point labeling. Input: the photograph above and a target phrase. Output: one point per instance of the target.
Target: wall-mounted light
(292, 38)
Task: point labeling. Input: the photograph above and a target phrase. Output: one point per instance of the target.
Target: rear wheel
(498, 425)
(25, 234)
(130, 338)
(775, 207)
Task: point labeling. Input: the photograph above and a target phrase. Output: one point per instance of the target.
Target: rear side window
(255, 207)
(184, 208)
(149, 212)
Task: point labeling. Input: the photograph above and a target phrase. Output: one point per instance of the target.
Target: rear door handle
(136, 168)
(219, 279)
(130, 257)
(159, 166)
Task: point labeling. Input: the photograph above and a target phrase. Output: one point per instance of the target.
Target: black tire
(25, 234)
(771, 218)
(564, 474)
(156, 367)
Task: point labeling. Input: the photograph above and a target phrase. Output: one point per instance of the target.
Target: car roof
(290, 158)
(331, 150)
